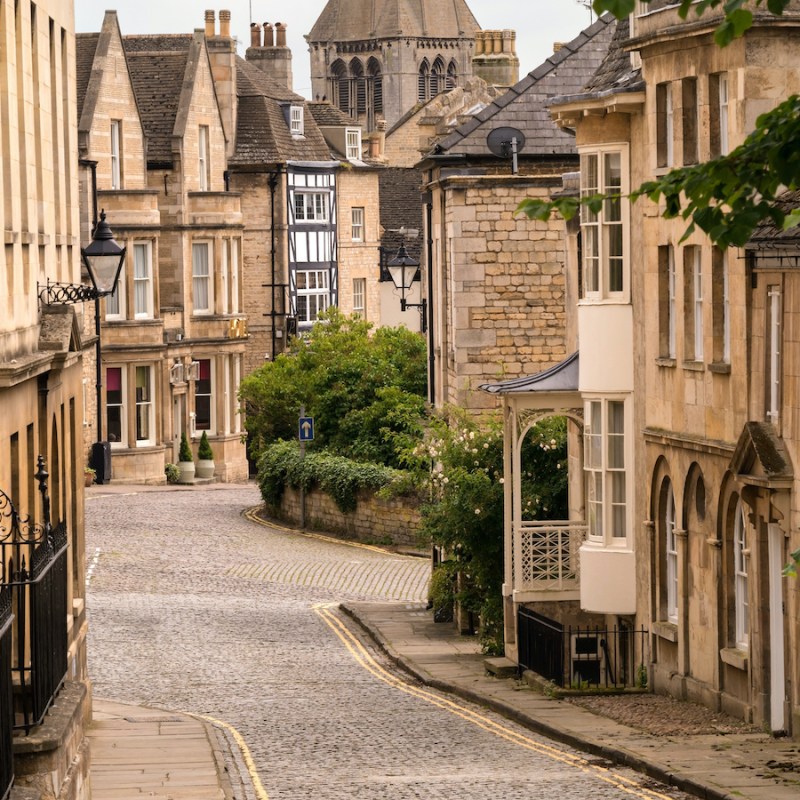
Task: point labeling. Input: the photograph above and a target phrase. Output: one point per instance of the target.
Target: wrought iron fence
(33, 571)
(6, 695)
(579, 658)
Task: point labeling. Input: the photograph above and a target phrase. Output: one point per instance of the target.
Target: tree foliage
(465, 513)
(729, 196)
(364, 388)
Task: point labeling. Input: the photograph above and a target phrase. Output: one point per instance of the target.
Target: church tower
(376, 59)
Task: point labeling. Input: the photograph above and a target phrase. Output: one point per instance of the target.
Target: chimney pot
(255, 34)
(479, 38)
(269, 36)
(210, 27)
(280, 30)
(225, 24)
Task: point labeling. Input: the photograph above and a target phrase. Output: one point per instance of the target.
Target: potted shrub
(205, 458)
(185, 460)
(88, 476)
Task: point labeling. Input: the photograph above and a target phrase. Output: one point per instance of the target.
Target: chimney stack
(222, 55)
(495, 58)
(225, 24)
(274, 57)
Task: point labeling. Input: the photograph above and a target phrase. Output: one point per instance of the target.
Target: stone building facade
(375, 61)
(496, 283)
(173, 334)
(42, 746)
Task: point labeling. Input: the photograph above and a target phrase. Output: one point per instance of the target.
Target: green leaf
(619, 8)
(792, 219)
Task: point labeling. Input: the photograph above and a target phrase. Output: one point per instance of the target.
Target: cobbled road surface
(193, 607)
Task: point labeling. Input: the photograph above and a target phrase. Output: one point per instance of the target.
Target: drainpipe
(428, 198)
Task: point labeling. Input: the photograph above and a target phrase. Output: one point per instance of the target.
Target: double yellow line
(364, 659)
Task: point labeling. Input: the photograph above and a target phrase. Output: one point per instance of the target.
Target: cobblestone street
(193, 607)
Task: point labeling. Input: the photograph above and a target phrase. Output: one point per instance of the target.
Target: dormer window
(296, 125)
(353, 144)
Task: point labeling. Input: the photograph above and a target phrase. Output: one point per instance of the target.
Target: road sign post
(305, 433)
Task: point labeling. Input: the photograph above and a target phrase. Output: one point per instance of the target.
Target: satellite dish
(506, 143)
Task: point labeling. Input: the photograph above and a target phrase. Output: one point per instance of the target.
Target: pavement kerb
(616, 755)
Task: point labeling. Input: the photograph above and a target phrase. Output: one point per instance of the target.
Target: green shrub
(204, 451)
(172, 472)
(185, 452)
(340, 478)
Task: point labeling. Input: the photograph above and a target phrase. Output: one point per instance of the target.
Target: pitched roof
(562, 377)
(525, 105)
(158, 67)
(85, 49)
(328, 115)
(768, 233)
(615, 72)
(262, 132)
(355, 20)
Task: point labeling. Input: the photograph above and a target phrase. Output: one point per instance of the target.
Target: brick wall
(376, 521)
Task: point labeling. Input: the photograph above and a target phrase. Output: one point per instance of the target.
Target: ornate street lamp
(103, 259)
(404, 270)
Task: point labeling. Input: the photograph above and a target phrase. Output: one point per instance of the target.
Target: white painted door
(776, 630)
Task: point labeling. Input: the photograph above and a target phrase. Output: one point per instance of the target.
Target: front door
(777, 667)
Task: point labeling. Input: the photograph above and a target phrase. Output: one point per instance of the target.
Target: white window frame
(724, 143)
(145, 406)
(317, 298)
(198, 278)
(606, 269)
(672, 304)
(697, 302)
(352, 138)
(234, 267)
(122, 405)
(357, 224)
(741, 556)
(726, 309)
(237, 379)
(311, 207)
(211, 395)
(116, 154)
(774, 343)
(296, 120)
(360, 296)
(607, 513)
(224, 299)
(143, 280)
(671, 557)
(115, 303)
(204, 158)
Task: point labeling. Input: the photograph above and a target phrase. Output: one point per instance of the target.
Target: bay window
(115, 406)
(313, 294)
(604, 227)
(203, 396)
(142, 281)
(145, 409)
(605, 465)
(202, 284)
(311, 206)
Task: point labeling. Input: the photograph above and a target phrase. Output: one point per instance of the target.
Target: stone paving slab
(142, 752)
(715, 767)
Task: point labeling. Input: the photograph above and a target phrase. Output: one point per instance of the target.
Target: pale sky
(538, 23)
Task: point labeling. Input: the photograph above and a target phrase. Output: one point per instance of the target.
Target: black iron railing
(6, 695)
(33, 571)
(579, 658)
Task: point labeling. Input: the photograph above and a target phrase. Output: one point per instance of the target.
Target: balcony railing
(546, 556)
(33, 574)
(6, 695)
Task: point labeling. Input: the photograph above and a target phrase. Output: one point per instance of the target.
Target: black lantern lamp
(404, 270)
(103, 258)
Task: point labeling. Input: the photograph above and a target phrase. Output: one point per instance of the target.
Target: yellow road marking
(261, 792)
(252, 515)
(364, 659)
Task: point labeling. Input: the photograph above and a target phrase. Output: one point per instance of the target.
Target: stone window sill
(734, 657)
(666, 630)
(694, 366)
(665, 361)
(720, 368)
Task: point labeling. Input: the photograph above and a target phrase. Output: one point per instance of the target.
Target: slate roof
(262, 133)
(328, 115)
(562, 377)
(356, 20)
(768, 233)
(525, 105)
(158, 68)
(85, 48)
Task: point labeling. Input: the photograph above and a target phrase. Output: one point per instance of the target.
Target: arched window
(452, 76)
(671, 555)
(340, 87)
(437, 77)
(358, 84)
(376, 85)
(424, 82)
